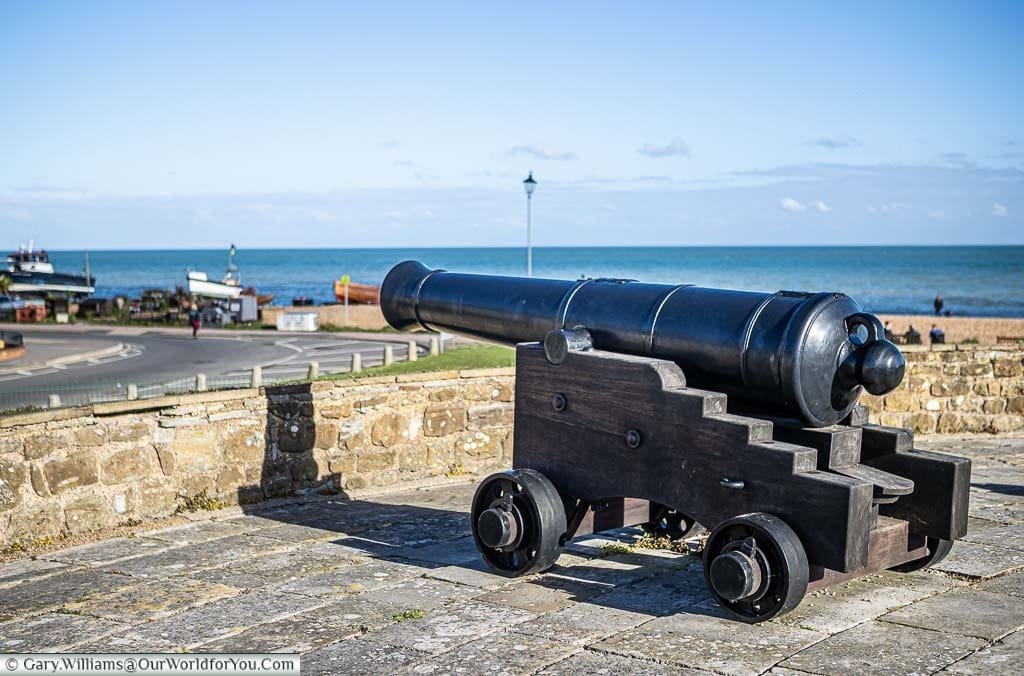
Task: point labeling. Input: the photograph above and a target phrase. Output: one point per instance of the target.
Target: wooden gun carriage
(775, 458)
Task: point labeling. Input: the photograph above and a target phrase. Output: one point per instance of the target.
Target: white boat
(200, 285)
(230, 287)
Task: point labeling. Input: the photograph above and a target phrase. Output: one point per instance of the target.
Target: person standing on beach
(193, 318)
(938, 304)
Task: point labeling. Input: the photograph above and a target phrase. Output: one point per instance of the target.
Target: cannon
(673, 407)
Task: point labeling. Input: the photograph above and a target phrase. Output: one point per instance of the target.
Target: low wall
(956, 388)
(78, 470)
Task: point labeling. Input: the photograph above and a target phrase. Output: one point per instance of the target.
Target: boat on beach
(359, 294)
(228, 288)
(31, 274)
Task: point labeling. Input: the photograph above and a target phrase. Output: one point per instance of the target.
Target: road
(159, 361)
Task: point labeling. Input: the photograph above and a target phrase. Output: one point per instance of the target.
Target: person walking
(939, 303)
(193, 318)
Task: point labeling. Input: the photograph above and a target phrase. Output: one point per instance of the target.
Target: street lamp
(529, 184)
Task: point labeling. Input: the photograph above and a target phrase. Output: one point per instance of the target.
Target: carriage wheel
(755, 567)
(518, 522)
(937, 550)
(669, 523)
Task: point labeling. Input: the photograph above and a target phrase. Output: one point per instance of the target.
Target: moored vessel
(31, 273)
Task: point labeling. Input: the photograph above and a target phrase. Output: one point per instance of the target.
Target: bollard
(257, 377)
(357, 363)
(435, 346)
(53, 401)
(389, 355)
(413, 350)
(132, 392)
(200, 382)
(314, 371)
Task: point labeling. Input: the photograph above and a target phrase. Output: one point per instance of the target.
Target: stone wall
(78, 470)
(82, 469)
(956, 388)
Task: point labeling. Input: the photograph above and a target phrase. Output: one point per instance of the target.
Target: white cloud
(790, 204)
(834, 143)
(1000, 210)
(676, 147)
(544, 152)
(936, 215)
(821, 207)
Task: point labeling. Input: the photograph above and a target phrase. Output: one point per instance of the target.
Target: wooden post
(53, 401)
(132, 392)
(200, 382)
(435, 346)
(357, 363)
(314, 371)
(389, 355)
(257, 377)
(413, 351)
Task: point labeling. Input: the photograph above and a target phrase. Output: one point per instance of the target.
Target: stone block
(88, 514)
(39, 481)
(389, 429)
(245, 445)
(977, 369)
(921, 423)
(80, 469)
(354, 435)
(12, 444)
(127, 431)
(950, 423)
(1008, 367)
(1015, 405)
(994, 405)
(196, 449)
(304, 469)
(481, 444)
(1002, 424)
(489, 416)
(444, 394)
(94, 435)
(326, 435)
(294, 435)
(376, 461)
(42, 445)
(442, 419)
(133, 464)
(343, 462)
(901, 400)
(13, 475)
(32, 524)
(230, 479)
(950, 387)
(336, 409)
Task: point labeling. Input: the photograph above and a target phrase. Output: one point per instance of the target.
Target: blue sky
(186, 124)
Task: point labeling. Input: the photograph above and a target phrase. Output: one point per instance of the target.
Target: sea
(973, 280)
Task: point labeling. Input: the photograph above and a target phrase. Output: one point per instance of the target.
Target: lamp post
(529, 184)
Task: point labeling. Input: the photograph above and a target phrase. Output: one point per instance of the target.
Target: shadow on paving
(436, 539)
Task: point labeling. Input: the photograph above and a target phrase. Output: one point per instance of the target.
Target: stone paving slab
(875, 647)
(150, 600)
(393, 584)
(966, 611)
(109, 551)
(52, 632)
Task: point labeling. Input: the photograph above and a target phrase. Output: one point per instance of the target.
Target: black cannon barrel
(802, 354)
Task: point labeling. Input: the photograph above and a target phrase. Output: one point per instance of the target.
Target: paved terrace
(392, 584)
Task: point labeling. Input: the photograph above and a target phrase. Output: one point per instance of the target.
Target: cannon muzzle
(788, 353)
